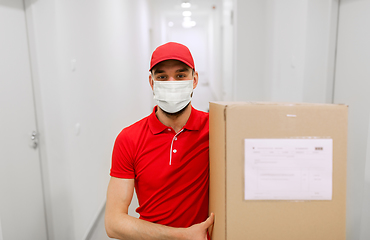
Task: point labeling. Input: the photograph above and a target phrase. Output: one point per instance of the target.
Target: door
(21, 198)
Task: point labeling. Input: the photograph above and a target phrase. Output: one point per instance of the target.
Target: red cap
(172, 50)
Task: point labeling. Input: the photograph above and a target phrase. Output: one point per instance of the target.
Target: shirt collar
(157, 127)
(193, 122)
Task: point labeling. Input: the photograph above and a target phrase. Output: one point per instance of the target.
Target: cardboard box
(240, 219)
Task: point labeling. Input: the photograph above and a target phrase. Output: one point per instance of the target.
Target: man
(165, 158)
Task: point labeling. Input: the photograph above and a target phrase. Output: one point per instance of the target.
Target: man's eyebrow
(182, 70)
(158, 71)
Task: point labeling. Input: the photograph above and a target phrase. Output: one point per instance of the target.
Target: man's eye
(161, 77)
(181, 76)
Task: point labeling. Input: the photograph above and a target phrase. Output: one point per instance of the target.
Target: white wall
(215, 50)
(1, 231)
(250, 44)
(227, 50)
(321, 37)
(365, 218)
(285, 50)
(90, 66)
(352, 87)
(287, 33)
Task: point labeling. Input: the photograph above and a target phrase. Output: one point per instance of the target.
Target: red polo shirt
(170, 170)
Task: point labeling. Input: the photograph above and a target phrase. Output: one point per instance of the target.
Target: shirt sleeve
(122, 157)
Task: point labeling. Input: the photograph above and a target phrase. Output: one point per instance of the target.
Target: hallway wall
(285, 50)
(90, 71)
(89, 66)
(352, 87)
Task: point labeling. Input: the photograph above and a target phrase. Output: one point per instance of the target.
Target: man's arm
(120, 225)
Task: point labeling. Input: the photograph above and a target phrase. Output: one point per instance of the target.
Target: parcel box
(278, 171)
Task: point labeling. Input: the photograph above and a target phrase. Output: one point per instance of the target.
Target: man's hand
(199, 231)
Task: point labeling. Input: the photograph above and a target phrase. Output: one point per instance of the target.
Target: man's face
(173, 70)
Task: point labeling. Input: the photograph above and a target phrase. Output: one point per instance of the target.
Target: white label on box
(288, 169)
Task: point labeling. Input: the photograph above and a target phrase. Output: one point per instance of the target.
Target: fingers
(209, 220)
(210, 223)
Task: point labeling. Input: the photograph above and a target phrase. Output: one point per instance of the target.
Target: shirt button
(175, 138)
(174, 151)
(169, 129)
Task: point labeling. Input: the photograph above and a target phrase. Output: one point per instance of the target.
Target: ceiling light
(185, 5)
(188, 23)
(186, 13)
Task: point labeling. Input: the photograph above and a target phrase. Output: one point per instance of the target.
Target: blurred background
(73, 73)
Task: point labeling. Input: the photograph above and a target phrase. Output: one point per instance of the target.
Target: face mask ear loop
(173, 139)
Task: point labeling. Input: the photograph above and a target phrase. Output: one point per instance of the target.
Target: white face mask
(172, 96)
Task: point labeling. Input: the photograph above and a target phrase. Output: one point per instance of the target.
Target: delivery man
(165, 158)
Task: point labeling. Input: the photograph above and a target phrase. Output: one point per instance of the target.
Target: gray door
(22, 211)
